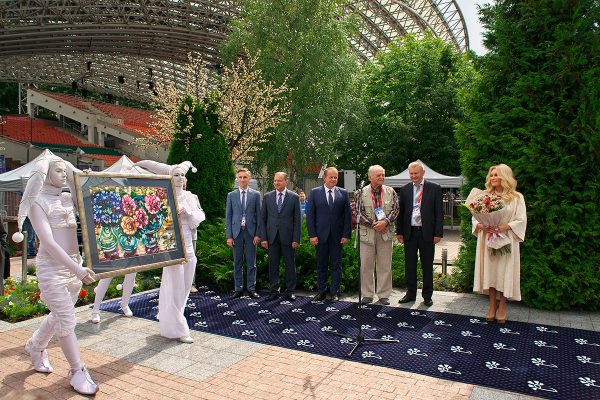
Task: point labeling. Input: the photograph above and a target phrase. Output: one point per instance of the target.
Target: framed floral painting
(128, 222)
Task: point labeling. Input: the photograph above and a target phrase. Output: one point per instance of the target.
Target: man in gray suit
(280, 234)
(242, 230)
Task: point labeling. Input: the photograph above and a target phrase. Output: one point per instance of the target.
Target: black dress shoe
(367, 300)
(320, 296)
(273, 296)
(406, 299)
(237, 294)
(335, 298)
(253, 294)
(289, 296)
(428, 302)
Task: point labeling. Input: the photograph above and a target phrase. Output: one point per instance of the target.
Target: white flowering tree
(250, 108)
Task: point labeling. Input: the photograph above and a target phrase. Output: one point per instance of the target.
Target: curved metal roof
(94, 42)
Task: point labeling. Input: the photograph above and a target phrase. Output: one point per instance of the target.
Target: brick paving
(270, 373)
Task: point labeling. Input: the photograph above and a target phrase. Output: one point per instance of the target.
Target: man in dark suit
(242, 216)
(280, 234)
(419, 227)
(328, 221)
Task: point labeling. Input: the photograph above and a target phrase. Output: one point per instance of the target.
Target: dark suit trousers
(242, 245)
(277, 250)
(426, 252)
(330, 250)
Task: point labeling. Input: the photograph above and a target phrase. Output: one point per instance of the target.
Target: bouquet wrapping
(489, 209)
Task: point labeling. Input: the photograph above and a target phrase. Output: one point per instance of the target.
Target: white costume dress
(177, 279)
(502, 272)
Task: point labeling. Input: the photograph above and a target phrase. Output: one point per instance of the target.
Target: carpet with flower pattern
(538, 360)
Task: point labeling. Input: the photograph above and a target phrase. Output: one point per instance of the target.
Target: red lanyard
(421, 194)
(380, 197)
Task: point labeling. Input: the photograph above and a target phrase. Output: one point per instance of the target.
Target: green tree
(9, 98)
(536, 109)
(413, 94)
(303, 43)
(205, 147)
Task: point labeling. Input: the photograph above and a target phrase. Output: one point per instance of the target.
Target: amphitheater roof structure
(123, 47)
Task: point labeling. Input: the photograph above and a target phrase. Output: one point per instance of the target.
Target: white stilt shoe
(127, 311)
(82, 381)
(186, 339)
(95, 318)
(39, 359)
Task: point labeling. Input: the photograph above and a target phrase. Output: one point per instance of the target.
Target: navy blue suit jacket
(287, 223)
(321, 221)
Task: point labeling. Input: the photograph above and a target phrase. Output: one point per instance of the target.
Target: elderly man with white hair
(377, 214)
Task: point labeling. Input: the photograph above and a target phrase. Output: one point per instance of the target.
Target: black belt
(418, 228)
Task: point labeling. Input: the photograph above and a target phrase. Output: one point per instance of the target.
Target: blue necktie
(330, 200)
(280, 202)
(243, 200)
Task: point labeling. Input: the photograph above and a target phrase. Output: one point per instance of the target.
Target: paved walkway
(130, 360)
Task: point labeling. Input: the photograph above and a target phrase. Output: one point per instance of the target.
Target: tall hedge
(536, 109)
(205, 147)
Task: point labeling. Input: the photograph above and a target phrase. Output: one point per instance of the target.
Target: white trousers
(59, 290)
(103, 285)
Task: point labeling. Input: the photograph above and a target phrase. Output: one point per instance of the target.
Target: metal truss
(123, 47)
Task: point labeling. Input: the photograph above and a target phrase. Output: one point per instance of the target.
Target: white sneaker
(193, 289)
(39, 359)
(186, 339)
(127, 311)
(95, 318)
(82, 381)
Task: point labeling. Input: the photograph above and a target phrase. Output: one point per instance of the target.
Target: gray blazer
(233, 213)
(287, 223)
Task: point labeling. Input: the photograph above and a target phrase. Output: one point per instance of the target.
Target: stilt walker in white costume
(103, 284)
(58, 265)
(177, 279)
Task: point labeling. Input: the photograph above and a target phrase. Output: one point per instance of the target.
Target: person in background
(4, 255)
(242, 218)
(103, 284)
(303, 203)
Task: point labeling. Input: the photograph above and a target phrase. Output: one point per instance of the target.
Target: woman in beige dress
(499, 275)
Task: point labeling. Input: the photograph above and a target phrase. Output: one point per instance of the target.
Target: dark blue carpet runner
(537, 360)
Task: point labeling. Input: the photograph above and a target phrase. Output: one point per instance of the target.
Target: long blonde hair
(507, 180)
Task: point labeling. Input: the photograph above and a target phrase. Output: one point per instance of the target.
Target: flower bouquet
(489, 209)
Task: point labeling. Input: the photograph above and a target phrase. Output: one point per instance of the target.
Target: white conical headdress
(164, 169)
(34, 184)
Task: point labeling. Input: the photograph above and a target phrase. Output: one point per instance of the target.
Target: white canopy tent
(15, 180)
(125, 166)
(444, 181)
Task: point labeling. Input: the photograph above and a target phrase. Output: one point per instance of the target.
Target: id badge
(417, 212)
(379, 214)
(244, 220)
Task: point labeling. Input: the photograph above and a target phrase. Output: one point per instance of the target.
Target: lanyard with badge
(244, 200)
(379, 213)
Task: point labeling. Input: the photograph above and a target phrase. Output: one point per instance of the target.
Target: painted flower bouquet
(489, 209)
(126, 217)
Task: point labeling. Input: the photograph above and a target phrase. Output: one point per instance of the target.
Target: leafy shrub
(215, 262)
(21, 300)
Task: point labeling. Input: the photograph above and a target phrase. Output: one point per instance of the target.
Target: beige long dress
(502, 272)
